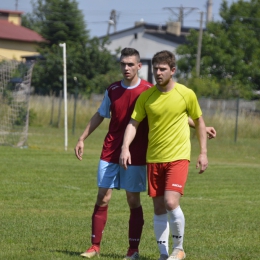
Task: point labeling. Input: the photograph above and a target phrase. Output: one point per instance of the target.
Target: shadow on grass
(66, 252)
(104, 256)
(119, 256)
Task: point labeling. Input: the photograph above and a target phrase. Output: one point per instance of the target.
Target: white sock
(177, 225)
(161, 231)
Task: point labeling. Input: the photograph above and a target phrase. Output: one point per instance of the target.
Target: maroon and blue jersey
(118, 104)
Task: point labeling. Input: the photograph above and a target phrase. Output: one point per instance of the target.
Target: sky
(97, 12)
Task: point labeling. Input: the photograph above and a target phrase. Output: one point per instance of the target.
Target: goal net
(15, 84)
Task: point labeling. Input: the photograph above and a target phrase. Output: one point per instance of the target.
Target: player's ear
(173, 69)
(139, 65)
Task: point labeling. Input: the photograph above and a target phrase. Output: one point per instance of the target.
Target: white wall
(146, 44)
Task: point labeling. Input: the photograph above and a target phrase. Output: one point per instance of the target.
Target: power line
(181, 13)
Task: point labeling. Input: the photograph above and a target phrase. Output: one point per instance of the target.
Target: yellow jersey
(167, 114)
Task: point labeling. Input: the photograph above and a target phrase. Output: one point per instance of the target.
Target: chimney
(11, 16)
(209, 11)
(174, 28)
(139, 22)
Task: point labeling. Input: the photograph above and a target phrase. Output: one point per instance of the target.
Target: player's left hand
(125, 158)
(79, 149)
(211, 132)
(202, 163)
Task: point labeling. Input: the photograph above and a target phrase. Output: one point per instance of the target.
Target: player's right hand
(211, 132)
(79, 149)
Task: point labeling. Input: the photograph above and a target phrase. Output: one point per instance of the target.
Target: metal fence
(229, 107)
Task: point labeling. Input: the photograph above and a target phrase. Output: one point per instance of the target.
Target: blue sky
(97, 12)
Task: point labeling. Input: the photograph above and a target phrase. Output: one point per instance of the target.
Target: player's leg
(161, 226)
(176, 223)
(133, 180)
(176, 176)
(136, 222)
(108, 178)
(156, 183)
(99, 216)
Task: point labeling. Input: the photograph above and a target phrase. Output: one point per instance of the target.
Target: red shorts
(167, 176)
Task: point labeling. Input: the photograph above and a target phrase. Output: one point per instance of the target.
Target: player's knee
(103, 199)
(133, 200)
(171, 204)
(159, 209)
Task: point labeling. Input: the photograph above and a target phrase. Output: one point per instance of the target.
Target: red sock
(136, 223)
(99, 219)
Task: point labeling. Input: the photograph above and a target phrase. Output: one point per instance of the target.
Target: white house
(148, 39)
(16, 41)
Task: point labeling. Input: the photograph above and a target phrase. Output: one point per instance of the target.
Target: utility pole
(16, 5)
(209, 11)
(199, 46)
(181, 13)
(112, 21)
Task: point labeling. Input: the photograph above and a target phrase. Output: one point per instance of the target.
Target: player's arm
(130, 132)
(93, 123)
(211, 132)
(200, 127)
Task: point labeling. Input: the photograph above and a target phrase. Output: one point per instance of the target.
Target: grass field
(47, 198)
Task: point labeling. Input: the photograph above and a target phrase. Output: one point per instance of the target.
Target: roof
(33, 57)
(169, 37)
(150, 26)
(10, 31)
(10, 12)
(159, 31)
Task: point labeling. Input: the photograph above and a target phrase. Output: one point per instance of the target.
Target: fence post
(237, 112)
(59, 115)
(52, 107)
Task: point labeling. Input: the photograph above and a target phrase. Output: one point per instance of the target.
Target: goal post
(15, 88)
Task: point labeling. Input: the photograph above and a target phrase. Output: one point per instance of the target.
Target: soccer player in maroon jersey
(118, 105)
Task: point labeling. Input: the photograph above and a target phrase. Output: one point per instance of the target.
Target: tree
(61, 21)
(230, 50)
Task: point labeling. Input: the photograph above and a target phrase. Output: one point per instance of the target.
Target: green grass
(47, 198)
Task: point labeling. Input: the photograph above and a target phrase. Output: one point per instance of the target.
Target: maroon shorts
(167, 176)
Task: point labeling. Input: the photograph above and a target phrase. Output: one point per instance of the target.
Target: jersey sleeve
(139, 112)
(104, 109)
(194, 109)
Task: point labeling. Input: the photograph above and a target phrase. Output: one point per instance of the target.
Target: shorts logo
(177, 185)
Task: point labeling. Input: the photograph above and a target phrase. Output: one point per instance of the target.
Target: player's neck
(131, 82)
(166, 88)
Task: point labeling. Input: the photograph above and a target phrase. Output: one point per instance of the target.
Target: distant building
(149, 39)
(16, 41)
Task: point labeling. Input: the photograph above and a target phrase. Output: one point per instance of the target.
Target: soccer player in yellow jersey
(167, 106)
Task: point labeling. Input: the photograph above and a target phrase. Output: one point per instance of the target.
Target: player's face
(162, 73)
(129, 67)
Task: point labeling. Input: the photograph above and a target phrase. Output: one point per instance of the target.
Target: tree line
(88, 61)
(229, 66)
(229, 55)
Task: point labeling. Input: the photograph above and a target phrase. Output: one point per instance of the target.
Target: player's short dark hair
(165, 57)
(130, 52)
